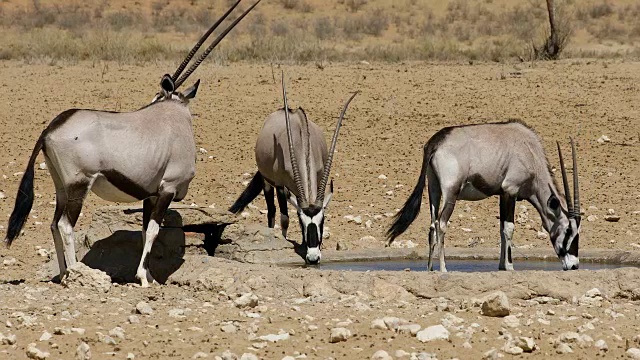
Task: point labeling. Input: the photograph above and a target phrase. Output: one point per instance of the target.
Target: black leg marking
(284, 212)
(57, 236)
(157, 214)
(435, 195)
(161, 205)
(441, 230)
(75, 197)
(507, 215)
(147, 206)
(271, 205)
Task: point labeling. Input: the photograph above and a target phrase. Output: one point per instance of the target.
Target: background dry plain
(403, 102)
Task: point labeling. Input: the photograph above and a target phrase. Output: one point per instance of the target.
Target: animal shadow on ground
(300, 249)
(119, 254)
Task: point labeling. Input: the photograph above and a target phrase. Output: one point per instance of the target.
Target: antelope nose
(574, 267)
(313, 256)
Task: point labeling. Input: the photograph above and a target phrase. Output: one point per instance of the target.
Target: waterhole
(458, 265)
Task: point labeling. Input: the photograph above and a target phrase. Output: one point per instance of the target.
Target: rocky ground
(216, 307)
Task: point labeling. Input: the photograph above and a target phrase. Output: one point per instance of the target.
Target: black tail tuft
(411, 207)
(251, 192)
(24, 198)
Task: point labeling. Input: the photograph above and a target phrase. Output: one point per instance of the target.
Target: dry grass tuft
(315, 30)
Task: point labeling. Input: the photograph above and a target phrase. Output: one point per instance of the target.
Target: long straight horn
(576, 190)
(567, 194)
(203, 38)
(327, 166)
(292, 155)
(203, 56)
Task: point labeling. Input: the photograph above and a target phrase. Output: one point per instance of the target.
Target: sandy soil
(399, 108)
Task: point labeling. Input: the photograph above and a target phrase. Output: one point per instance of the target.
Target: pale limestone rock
(527, 344)
(80, 275)
(35, 353)
(339, 334)
(496, 305)
(83, 352)
(248, 300)
(144, 308)
(378, 324)
(275, 337)
(381, 355)
(633, 353)
(409, 329)
(601, 345)
(511, 321)
(436, 332)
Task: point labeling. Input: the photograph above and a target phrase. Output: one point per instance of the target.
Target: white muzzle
(570, 262)
(313, 255)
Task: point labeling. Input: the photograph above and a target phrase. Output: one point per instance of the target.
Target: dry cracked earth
(217, 308)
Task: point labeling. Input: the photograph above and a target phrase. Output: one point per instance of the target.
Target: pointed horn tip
(220, 37)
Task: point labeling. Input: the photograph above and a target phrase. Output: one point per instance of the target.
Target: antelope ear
(554, 204)
(327, 197)
(190, 93)
(292, 199)
(167, 84)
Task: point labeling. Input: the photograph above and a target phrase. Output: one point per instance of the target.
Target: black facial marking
(567, 236)
(312, 236)
(312, 210)
(509, 255)
(573, 250)
(311, 232)
(126, 185)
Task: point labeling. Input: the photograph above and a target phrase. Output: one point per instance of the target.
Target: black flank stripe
(126, 185)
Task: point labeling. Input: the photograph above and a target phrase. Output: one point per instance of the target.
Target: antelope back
(272, 151)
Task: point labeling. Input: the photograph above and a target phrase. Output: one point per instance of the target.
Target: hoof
(146, 280)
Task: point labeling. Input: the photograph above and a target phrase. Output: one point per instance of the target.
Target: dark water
(457, 265)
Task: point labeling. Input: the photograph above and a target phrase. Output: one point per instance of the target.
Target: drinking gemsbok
(474, 162)
(292, 156)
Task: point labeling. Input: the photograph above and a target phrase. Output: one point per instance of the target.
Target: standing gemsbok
(147, 154)
(473, 162)
(292, 156)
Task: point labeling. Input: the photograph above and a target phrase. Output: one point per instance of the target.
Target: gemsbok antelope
(147, 154)
(292, 156)
(474, 162)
